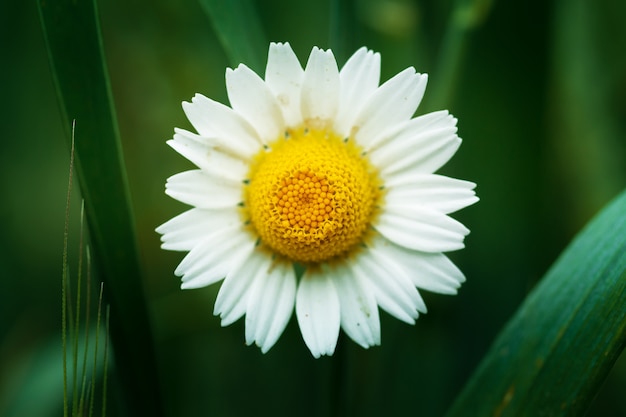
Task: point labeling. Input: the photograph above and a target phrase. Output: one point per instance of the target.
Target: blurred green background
(540, 94)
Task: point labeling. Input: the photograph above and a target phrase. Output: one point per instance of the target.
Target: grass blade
(79, 281)
(95, 355)
(65, 272)
(240, 31)
(554, 354)
(74, 45)
(105, 378)
(465, 17)
(343, 29)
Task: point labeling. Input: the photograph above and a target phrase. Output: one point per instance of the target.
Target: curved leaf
(554, 354)
(239, 30)
(74, 47)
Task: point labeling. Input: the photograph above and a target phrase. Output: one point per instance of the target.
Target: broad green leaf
(239, 30)
(74, 45)
(554, 354)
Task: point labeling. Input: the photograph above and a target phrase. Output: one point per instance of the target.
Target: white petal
(394, 291)
(251, 97)
(232, 298)
(421, 229)
(320, 88)
(428, 121)
(198, 188)
(359, 78)
(225, 129)
(317, 310)
(207, 158)
(429, 271)
(434, 192)
(392, 103)
(283, 76)
(187, 230)
(214, 257)
(270, 304)
(416, 149)
(359, 311)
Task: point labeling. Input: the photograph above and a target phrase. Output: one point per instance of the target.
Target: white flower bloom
(325, 169)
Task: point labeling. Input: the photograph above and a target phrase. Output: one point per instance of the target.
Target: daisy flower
(315, 190)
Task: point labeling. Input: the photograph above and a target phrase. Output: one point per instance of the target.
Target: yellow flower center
(311, 196)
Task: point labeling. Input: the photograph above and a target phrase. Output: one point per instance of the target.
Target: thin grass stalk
(105, 364)
(343, 27)
(64, 274)
(75, 398)
(464, 18)
(87, 321)
(95, 353)
(239, 30)
(74, 45)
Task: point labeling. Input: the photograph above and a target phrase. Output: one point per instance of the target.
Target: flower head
(325, 169)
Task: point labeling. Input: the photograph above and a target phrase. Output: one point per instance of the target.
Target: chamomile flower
(315, 191)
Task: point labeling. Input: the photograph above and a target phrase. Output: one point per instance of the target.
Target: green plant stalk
(343, 29)
(87, 320)
(64, 280)
(587, 123)
(554, 354)
(105, 377)
(72, 34)
(95, 356)
(239, 30)
(79, 280)
(464, 18)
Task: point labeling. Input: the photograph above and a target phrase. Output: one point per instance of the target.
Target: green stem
(339, 400)
(105, 365)
(239, 30)
(64, 280)
(343, 29)
(75, 397)
(74, 44)
(465, 17)
(95, 356)
(87, 317)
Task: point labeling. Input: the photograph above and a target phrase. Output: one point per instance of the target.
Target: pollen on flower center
(311, 196)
